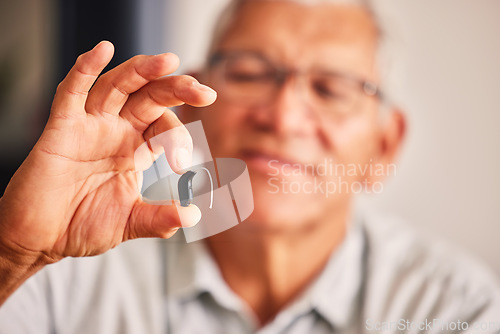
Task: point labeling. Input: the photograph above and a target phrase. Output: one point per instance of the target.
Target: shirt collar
(193, 271)
(333, 295)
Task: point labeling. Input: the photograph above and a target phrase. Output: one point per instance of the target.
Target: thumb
(159, 219)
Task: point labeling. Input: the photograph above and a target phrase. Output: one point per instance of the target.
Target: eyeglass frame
(367, 87)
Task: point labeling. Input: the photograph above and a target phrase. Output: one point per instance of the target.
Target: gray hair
(386, 43)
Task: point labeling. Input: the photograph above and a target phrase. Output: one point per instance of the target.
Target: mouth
(269, 163)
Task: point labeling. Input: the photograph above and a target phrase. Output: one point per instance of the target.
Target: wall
(448, 181)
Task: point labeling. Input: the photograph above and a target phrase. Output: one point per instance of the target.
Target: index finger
(148, 104)
(112, 89)
(72, 92)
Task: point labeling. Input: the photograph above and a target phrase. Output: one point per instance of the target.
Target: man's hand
(77, 192)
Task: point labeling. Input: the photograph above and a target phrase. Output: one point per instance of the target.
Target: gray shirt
(384, 278)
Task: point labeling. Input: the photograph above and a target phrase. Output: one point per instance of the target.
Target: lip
(268, 162)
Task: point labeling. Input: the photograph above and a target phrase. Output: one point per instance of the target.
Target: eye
(247, 70)
(330, 87)
(239, 76)
(324, 90)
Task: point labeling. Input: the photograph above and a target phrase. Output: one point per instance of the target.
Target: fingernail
(183, 158)
(189, 215)
(203, 87)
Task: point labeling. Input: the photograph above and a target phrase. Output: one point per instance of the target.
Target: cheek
(354, 140)
(223, 124)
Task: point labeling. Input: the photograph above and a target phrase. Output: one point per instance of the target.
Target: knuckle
(80, 59)
(165, 62)
(104, 80)
(186, 79)
(152, 97)
(137, 60)
(159, 65)
(139, 57)
(169, 234)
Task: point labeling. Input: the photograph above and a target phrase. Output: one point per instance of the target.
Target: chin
(278, 211)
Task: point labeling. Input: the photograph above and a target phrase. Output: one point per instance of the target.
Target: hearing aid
(185, 187)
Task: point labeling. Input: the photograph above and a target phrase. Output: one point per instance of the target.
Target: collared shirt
(384, 278)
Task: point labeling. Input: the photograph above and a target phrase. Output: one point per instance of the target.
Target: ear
(392, 133)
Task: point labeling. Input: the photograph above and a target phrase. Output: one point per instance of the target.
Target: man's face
(285, 138)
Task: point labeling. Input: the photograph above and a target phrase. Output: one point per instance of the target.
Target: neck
(269, 269)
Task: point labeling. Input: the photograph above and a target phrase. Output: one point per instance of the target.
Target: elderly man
(299, 85)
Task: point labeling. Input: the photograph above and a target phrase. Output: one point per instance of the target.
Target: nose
(287, 111)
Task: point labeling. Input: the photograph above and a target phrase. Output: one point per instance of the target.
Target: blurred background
(446, 80)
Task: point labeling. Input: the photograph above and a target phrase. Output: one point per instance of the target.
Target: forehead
(300, 35)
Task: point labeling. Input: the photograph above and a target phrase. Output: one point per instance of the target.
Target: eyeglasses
(250, 78)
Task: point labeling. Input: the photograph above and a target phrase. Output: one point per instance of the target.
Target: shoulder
(415, 276)
(100, 289)
(129, 261)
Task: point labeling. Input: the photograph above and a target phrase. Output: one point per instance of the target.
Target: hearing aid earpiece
(185, 187)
